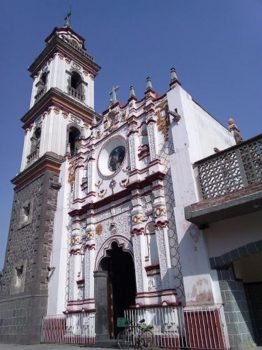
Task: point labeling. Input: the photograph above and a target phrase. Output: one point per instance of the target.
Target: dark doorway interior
(254, 298)
(121, 284)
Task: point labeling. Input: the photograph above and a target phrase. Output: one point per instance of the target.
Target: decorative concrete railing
(75, 93)
(231, 170)
(40, 93)
(32, 156)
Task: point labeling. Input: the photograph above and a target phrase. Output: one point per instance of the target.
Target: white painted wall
(26, 148)
(58, 77)
(194, 137)
(223, 236)
(58, 281)
(203, 131)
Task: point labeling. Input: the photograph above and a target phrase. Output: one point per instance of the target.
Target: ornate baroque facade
(99, 202)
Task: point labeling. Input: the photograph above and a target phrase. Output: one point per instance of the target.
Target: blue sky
(214, 45)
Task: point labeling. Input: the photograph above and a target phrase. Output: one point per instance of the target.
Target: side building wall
(189, 135)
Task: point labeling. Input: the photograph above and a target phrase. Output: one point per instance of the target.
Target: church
(133, 213)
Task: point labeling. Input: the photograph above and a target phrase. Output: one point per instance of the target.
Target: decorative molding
(99, 229)
(71, 171)
(121, 241)
(162, 118)
(161, 224)
(138, 231)
(159, 211)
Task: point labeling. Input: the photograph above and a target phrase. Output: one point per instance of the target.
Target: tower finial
(173, 75)
(173, 78)
(149, 85)
(67, 19)
(132, 92)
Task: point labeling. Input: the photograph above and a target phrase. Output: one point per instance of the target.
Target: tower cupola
(62, 96)
(64, 64)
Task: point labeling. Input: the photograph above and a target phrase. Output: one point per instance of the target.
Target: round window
(112, 156)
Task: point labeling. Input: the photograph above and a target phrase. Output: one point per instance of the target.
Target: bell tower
(63, 85)
(61, 112)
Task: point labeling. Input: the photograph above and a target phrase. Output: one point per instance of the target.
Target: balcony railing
(231, 170)
(75, 93)
(32, 156)
(40, 93)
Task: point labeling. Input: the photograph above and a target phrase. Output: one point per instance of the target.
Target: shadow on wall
(241, 292)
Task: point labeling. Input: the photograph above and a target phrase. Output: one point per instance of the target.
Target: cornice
(57, 45)
(66, 29)
(56, 98)
(49, 161)
(118, 196)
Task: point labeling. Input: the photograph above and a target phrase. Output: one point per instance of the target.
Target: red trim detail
(138, 231)
(152, 267)
(137, 185)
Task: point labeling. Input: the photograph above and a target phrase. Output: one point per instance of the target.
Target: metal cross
(113, 93)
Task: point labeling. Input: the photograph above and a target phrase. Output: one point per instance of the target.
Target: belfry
(102, 226)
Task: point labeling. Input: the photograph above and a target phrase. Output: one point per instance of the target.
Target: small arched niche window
(144, 135)
(73, 136)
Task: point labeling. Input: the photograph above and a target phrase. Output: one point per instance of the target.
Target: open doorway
(248, 269)
(121, 285)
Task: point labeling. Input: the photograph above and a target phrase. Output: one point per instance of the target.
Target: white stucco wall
(57, 283)
(58, 77)
(223, 236)
(194, 137)
(203, 131)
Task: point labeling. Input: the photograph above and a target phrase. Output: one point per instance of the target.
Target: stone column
(101, 301)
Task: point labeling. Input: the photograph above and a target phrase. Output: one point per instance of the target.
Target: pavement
(44, 347)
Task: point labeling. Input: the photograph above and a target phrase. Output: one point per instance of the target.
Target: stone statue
(233, 128)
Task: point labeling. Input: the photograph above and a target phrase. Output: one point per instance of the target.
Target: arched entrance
(116, 276)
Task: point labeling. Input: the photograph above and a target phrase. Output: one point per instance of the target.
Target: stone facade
(24, 282)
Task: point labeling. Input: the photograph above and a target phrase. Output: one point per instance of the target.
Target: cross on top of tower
(67, 19)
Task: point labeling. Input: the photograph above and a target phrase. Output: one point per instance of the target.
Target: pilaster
(162, 224)
(138, 229)
(133, 143)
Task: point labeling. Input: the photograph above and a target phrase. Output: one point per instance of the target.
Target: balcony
(32, 156)
(230, 183)
(40, 93)
(76, 94)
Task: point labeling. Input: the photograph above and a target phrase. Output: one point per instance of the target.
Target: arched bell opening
(73, 136)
